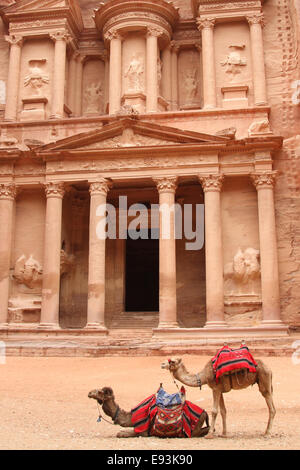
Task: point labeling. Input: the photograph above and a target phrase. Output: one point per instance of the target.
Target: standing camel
(236, 381)
(105, 397)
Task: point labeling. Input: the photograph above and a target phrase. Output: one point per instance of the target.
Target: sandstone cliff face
(282, 39)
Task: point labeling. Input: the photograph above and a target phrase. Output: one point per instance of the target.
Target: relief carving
(244, 269)
(28, 272)
(234, 62)
(135, 74)
(36, 79)
(259, 127)
(92, 98)
(189, 79)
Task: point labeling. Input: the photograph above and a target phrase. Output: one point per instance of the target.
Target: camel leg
(216, 400)
(223, 414)
(127, 433)
(266, 389)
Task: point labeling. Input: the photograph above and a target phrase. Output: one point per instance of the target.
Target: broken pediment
(128, 133)
(21, 7)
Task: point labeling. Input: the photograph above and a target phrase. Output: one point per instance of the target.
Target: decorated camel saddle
(165, 415)
(228, 361)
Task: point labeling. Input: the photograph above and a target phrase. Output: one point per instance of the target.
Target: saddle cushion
(176, 421)
(228, 360)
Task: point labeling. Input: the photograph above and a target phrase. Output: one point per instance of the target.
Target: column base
(215, 324)
(3, 326)
(96, 326)
(56, 116)
(163, 325)
(209, 106)
(49, 326)
(261, 103)
(273, 324)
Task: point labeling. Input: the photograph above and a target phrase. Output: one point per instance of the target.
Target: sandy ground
(44, 404)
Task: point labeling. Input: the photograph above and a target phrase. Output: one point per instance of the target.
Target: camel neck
(192, 380)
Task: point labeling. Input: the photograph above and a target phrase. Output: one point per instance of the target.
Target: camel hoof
(209, 436)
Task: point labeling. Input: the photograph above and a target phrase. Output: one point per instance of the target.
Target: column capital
(80, 58)
(60, 36)
(8, 191)
(198, 46)
(175, 47)
(206, 23)
(54, 189)
(211, 182)
(101, 186)
(256, 18)
(166, 184)
(154, 32)
(15, 39)
(264, 179)
(112, 34)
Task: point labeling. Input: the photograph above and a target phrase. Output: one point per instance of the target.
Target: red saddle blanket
(178, 421)
(228, 360)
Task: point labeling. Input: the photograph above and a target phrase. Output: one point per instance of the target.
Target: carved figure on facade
(234, 62)
(259, 127)
(28, 272)
(244, 269)
(134, 73)
(36, 79)
(190, 83)
(92, 97)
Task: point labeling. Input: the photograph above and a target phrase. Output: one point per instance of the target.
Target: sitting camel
(237, 381)
(105, 397)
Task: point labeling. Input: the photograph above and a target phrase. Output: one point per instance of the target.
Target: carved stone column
(174, 84)
(167, 74)
(264, 182)
(206, 26)
(60, 39)
(256, 23)
(152, 70)
(13, 79)
(7, 198)
(79, 78)
(52, 251)
(115, 71)
(72, 82)
(106, 84)
(212, 185)
(167, 252)
(96, 282)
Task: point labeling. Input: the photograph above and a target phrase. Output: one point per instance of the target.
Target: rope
(101, 417)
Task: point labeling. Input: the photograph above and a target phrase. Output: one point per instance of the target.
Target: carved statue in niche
(134, 73)
(36, 79)
(234, 62)
(244, 269)
(28, 272)
(190, 85)
(92, 97)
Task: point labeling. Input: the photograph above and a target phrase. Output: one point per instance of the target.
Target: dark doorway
(142, 275)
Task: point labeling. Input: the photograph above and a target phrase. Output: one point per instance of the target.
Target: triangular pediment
(21, 7)
(127, 133)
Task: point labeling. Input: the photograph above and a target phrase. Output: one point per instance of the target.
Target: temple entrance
(142, 275)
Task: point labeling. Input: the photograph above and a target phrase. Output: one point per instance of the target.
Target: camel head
(172, 364)
(102, 395)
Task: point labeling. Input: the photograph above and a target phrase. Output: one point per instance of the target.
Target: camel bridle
(114, 418)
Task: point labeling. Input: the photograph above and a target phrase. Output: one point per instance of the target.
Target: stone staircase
(134, 321)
